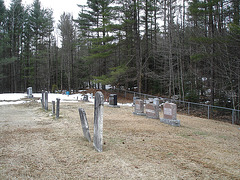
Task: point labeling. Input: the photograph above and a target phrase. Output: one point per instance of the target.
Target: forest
(189, 49)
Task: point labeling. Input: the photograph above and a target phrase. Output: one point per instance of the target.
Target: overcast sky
(58, 6)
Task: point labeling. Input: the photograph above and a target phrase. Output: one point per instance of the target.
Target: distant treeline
(186, 48)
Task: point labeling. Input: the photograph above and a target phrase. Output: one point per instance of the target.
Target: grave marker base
(171, 122)
(114, 106)
(140, 114)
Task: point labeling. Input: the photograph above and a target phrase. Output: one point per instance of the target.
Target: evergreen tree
(2, 41)
(41, 25)
(67, 29)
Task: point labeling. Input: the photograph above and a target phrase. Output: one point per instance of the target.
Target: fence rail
(202, 110)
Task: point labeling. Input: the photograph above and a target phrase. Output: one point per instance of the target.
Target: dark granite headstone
(113, 101)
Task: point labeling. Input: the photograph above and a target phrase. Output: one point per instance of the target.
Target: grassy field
(35, 145)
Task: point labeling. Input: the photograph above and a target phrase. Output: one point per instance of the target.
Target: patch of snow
(127, 104)
(16, 98)
(12, 96)
(11, 102)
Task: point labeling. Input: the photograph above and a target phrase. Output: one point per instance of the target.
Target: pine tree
(101, 34)
(67, 29)
(41, 23)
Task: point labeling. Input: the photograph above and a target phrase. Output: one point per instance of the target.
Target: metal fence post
(188, 107)
(233, 116)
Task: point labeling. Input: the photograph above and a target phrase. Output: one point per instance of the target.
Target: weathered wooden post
(98, 121)
(53, 107)
(46, 100)
(58, 108)
(84, 123)
(43, 99)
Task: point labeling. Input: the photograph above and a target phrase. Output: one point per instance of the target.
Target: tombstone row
(153, 109)
(44, 101)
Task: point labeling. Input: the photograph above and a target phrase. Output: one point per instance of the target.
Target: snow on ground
(19, 98)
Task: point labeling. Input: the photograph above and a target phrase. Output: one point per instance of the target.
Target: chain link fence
(190, 108)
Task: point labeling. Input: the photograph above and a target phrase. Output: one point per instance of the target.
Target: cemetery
(91, 140)
(100, 89)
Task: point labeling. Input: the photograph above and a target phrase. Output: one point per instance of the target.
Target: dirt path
(35, 145)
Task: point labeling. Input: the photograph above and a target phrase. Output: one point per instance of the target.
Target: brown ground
(35, 145)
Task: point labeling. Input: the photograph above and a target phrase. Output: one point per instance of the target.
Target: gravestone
(46, 100)
(84, 124)
(85, 98)
(53, 107)
(98, 121)
(113, 101)
(134, 99)
(58, 108)
(29, 92)
(156, 101)
(152, 111)
(170, 114)
(91, 96)
(139, 107)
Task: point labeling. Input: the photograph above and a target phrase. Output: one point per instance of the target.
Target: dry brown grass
(35, 145)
